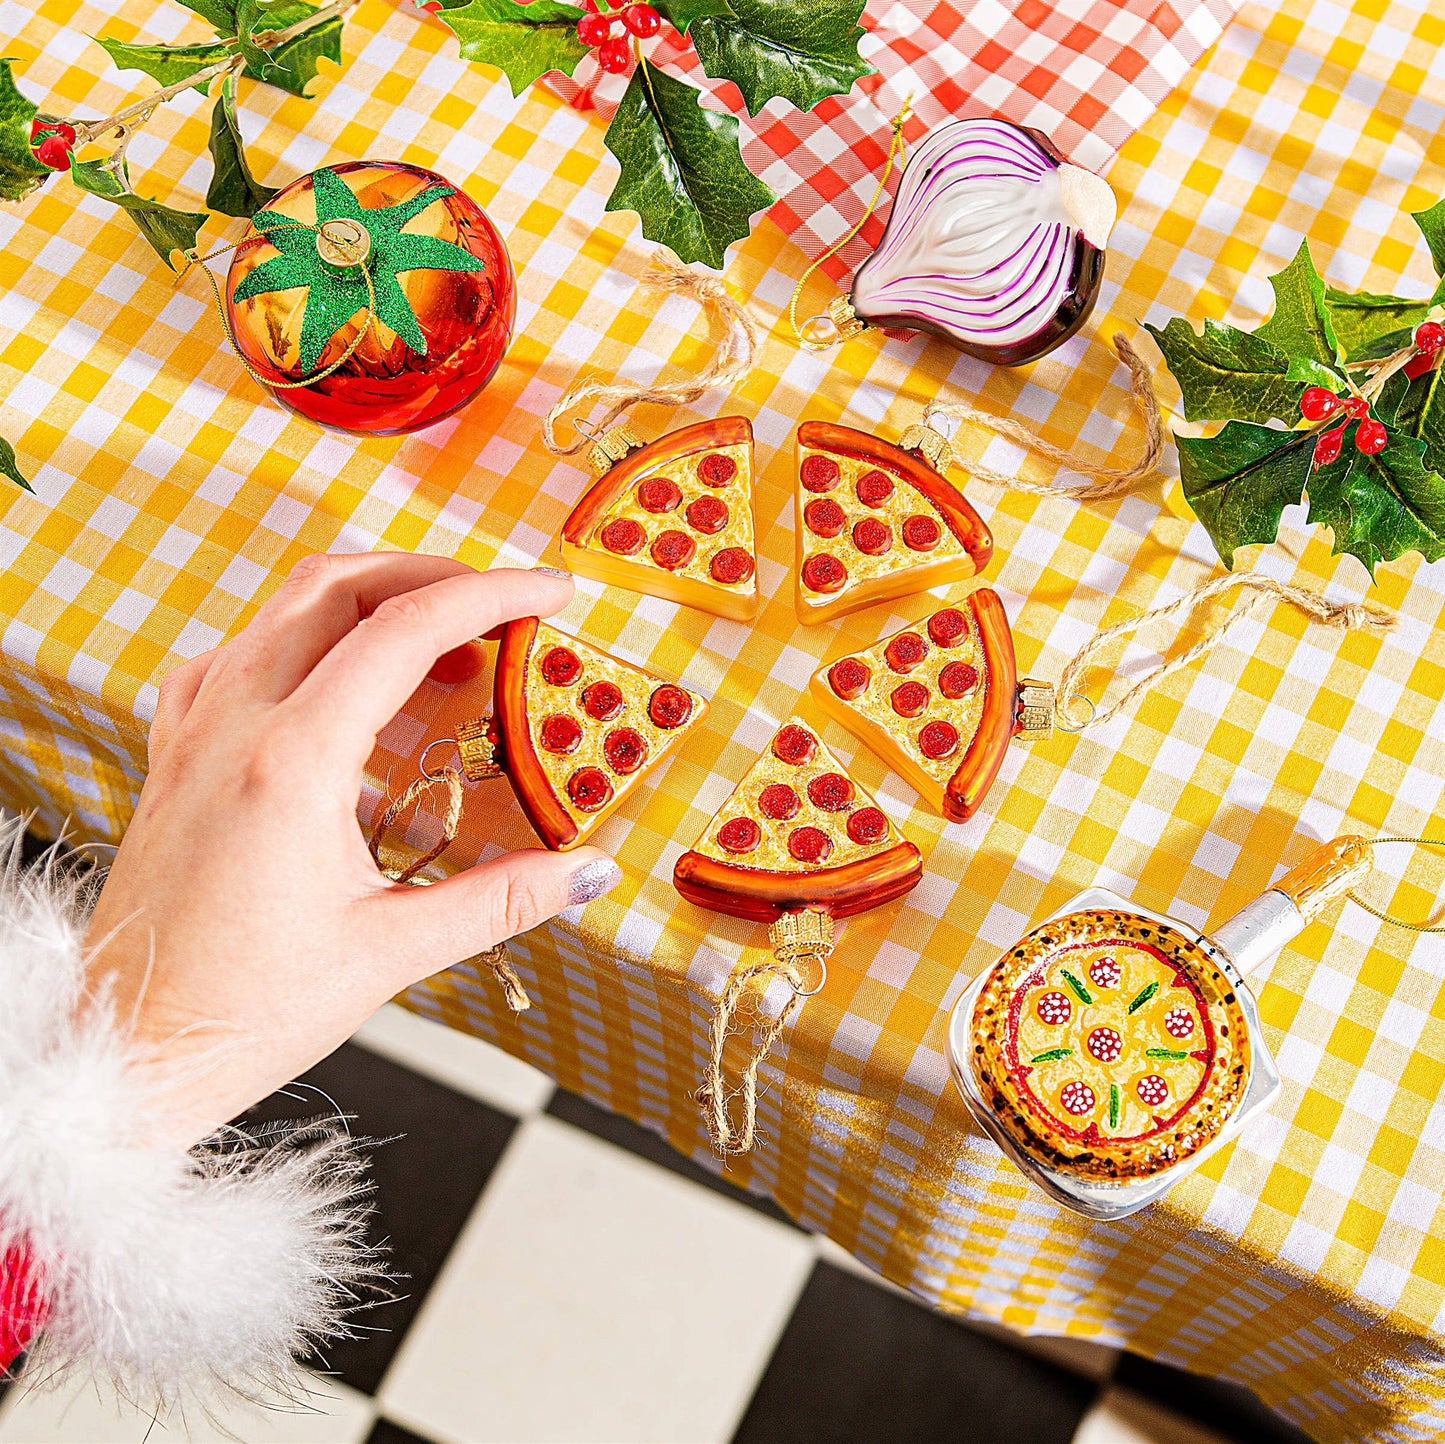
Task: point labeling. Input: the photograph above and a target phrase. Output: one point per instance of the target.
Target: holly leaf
(165, 63)
(1381, 506)
(294, 64)
(1300, 325)
(20, 172)
(1240, 481)
(234, 191)
(167, 230)
(681, 13)
(1432, 226)
(802, 50)
(1227, 374)
(220, 15)
(10, 467)
(682, 171)
(524, 42)
(1361, 320)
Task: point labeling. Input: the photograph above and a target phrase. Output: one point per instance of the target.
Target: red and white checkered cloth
(1087, 73)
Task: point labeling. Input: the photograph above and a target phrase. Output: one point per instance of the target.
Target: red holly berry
(642, 20)
(1357, 406)
(1429, 337)
(614, 56)
(1327, 448)
(1371, 436)
(1419, 365)
(54, 151)
(593, 30)
(1317, 403)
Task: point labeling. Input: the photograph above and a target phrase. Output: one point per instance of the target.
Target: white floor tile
(470, 1065)
(596, 1297)
(1122, 1417)
(78, 1414)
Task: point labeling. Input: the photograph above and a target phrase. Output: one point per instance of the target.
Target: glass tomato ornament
(371, 296)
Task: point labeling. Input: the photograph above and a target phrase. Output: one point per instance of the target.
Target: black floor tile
(385, 1432)
(858, 1363)
(427, 1180)
(1226, 1408)
(647, 1144)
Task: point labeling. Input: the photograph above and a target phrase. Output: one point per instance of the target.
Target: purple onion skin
(1085, 280)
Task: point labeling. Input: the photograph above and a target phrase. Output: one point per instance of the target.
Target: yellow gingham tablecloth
(1308, 1260)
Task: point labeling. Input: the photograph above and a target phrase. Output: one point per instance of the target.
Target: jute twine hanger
(449, 780)
(729, 362)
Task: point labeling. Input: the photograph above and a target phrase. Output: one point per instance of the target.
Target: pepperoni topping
(1179, 1022)
(938, 740)
(867, 826)
(1105, 1044)
(824, 573)
(874, 488)
(673, 549)
(824, 517)
(739, 834)
(623, 536)
(1077, 1097)
(560, 734)
(809, 844)
(909, 698)
(849, 678)
(819, 473)
(1106, 972)
(947, 626)
(831, 792)
(794, 744)
(589, 789)
(872, 537)
(730, 566)
(716, 470)
(1055, 1009)
(905, 651)
(602, 701)
(1152, 1090)
(921, 533)
(778, 802)
(624, 750)
(707, 514)
(658, 494)
(561, 666)
(669, 706)
(957, 679)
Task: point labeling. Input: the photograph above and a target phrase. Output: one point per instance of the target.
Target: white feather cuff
(177, 1277)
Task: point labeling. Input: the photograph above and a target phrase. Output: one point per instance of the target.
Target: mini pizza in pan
(578, 729)
(674, 519)
(1110, 1046)
(936, 701)
(874, 521)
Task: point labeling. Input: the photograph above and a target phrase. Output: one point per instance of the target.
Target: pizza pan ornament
(1113, 1049)
(572, 728)
(874, 521)
(673, 518)
(372, 296)
(797, 845)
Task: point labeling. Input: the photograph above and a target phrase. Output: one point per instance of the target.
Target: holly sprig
(1335, 401)
(681, 164)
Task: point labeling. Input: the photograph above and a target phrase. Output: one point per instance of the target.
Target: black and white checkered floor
(572, 1279)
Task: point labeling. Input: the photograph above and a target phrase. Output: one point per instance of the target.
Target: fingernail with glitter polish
(593, 879)
(554, 572)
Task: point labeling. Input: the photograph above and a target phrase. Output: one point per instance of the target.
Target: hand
(243, 924)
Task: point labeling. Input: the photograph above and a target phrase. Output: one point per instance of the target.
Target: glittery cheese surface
(546, 700)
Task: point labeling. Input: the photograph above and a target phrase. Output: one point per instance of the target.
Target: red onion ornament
(994, 243)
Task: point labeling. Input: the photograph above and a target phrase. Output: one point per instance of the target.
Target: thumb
(432, 928)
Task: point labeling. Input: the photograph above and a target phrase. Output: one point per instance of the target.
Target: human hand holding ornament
(244, 923)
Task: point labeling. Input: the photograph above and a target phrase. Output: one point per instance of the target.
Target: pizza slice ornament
(673, 518)
(573, 729)
(875, 521)
(797, 845)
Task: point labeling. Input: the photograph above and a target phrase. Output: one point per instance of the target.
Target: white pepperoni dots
(1179, 1022)
(1077, 1098)
(1055, 1008)
(1152, 1090)
(1105, 1044)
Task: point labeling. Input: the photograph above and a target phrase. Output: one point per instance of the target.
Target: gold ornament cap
(803, 938)
(609, 448)
(1035, 710)
(476, 744)
(933, 446)
(343, 242)
(845, 318)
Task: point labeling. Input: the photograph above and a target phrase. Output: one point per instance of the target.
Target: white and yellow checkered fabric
(1308, 1260)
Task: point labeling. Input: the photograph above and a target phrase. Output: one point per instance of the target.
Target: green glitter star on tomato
(335, 292)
